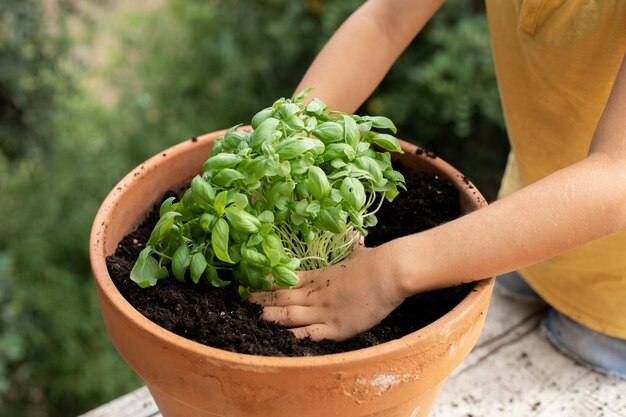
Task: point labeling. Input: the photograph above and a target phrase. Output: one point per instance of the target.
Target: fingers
(280, 298)
(290, 316)
(315, 332)
(305, 320)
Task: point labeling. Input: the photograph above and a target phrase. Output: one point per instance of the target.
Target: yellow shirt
(556, 62)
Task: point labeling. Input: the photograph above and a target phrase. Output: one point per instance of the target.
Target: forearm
(578, 204)
(360, 53)
(571, 207)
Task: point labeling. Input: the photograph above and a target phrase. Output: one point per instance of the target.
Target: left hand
(337, 302)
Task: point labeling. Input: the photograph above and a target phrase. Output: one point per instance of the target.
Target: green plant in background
(293, 193)
(31, 74)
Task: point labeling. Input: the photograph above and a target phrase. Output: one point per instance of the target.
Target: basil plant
(296, 192)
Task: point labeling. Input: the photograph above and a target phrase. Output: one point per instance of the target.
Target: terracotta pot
(187, 379)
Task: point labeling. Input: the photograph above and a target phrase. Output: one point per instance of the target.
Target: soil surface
(219, 318)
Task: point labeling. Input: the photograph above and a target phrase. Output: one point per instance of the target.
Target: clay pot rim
(106, 286)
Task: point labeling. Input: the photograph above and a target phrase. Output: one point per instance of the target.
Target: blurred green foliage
(30, 75)
(186, 68)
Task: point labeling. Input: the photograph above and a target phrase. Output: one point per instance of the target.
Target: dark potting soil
(219, 318)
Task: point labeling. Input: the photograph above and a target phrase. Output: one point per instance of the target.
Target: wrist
(400, 267)
(413, 266)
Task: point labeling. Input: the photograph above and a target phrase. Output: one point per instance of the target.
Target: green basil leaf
(313, 207)
(363, 148)
(280, 193)
(233, 139)
(244, 293)
(331, 219)
(299, 98)
(342, 173)
(220, 202)
(335, 197)
(316, 107)
(381, 122)
(255, 169)
(302, 190)
(219, 142)
(273, 248)
(180, 262)
(221, 161)
(297, 219)
(166, 206)
(294, 147)
(240, 200)
(217, 147)
(266, 217)
(309, 236)
(371, 166)
(283, 169)
(383, 163)
(391, 194)
(353, 193)
(284, 277)
(278, 103)
(241, 220)
(256, 277)
(264, 133)
(255, 239)
(267, 228)
(384, 185)
(351, 131)
(317, 183)
(187, 199)
(213, 278)
(253, 186)
(295, 123)
(260, 117)
(310, 123)
(226, 177)
(290, 263)
(301, 165)
(393, 175)
(219, 240)
(254, 257)
(301, 207)
(192, 230)
(329, 132)
(147, 271)
(237, 237)
(280, 215)
(317, 147)
(370, 220)
(365, 126)
(338, 163)
(288, 110)
(234, 251)
(203, 193)
(356, 218)
(387, 142)
(162, 228)
(339, 150)
(198, 265)
(267, 149)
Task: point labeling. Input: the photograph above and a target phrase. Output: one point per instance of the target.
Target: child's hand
(337, 302)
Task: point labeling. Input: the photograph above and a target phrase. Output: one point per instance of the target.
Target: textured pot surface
(187, 379)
